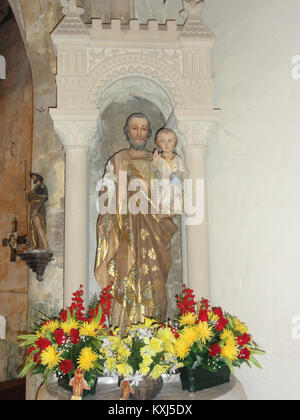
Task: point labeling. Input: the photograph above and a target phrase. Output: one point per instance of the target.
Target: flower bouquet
(140, 358)
(210, 340)
(70, 341)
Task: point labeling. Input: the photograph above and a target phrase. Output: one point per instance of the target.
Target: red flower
(43, 343)
(63, 315)
(74, 336)
(36, 358)
(30, 351)
(60, 337)
(204, 303)
(243, 339)
(66, 366)
(244, 354)
(214, 350)
(218, 311)
(221, 324)
(186, 303)
(203, 317)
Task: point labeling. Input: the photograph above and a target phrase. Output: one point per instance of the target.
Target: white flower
(136, 379)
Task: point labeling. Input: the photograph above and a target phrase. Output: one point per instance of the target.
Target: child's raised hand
(156, 157)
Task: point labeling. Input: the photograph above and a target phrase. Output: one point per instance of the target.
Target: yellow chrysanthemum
(124, 369)
(181, 349)
(240, 326)
(230, 351)
(68, 326)
(87, 358)
(89, 329)
(50, 357)
(50, 326)
(228, 337)
(189, 335)
(188, 319)
(204, 332)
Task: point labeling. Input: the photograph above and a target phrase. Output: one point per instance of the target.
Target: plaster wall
(253, 175)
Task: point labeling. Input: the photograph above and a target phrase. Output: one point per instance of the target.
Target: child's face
(166, 142)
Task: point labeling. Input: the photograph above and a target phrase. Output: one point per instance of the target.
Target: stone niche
(105, 72)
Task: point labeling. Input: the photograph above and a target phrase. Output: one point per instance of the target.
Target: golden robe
(132, 250)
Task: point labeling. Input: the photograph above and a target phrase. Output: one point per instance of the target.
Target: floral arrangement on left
(71, 341)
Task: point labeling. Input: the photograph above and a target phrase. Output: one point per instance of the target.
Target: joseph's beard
(137, 146)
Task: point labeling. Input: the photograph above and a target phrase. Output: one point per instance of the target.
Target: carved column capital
(75, 131)
(196, 133)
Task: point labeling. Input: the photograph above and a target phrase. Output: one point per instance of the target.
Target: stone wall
(15, 159)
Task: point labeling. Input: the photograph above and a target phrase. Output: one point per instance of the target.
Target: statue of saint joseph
(132, 249)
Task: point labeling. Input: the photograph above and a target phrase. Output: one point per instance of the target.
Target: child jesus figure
(171, 168)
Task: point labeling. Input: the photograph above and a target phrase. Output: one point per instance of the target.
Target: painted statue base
(108, 390)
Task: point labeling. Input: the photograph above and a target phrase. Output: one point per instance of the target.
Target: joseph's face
(138, 132)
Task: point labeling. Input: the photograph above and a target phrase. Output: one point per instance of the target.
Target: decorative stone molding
(194, 26)
(93, 57)
(136, 65)
(75, 130)
(69, 7)
(196, 133)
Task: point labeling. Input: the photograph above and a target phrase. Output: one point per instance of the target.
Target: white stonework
(167, 64)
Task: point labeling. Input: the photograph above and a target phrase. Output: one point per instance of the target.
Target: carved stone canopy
(99, 63)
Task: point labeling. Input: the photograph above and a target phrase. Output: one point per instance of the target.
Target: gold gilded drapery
(133, 252)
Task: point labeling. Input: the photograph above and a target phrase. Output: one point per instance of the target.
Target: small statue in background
(37, 226)
(78, 384)
(126, 390)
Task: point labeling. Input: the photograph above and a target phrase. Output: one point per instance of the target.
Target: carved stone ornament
(194, 26)
(69, 7)
(192, 8)
(196, 133)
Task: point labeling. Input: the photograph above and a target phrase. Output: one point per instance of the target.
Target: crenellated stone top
(152, 30)
(194, 29)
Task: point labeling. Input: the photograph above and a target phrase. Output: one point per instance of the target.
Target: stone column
(75, 132)
(196, 130)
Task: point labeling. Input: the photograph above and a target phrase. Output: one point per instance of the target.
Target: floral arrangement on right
(210, 338)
